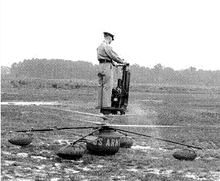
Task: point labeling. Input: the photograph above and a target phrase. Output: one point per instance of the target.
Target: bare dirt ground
(197, 109)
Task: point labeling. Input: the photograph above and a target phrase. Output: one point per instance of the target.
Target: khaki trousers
(104, 97)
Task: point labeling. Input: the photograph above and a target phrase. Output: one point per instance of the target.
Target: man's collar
(105, 42)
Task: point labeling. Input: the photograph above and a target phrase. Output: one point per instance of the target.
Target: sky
(176, 33)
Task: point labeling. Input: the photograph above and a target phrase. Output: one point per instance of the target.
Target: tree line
(66, 69)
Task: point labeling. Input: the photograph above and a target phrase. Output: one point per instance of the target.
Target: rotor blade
(164, 126)
(144, 126)
(140, 134)
(78, 112)
(92, 122)
(90, 114)
(55, 128)
(118, 125)
(68, 117)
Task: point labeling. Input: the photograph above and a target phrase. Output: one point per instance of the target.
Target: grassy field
(195, 108)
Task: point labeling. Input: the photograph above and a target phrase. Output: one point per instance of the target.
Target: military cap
(108, 34)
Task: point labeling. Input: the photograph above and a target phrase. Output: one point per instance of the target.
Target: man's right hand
(101, 74)
(125, 63)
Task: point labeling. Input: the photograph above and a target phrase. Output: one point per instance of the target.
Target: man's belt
(105, 61)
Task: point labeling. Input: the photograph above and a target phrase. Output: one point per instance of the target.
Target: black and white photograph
(97, 90)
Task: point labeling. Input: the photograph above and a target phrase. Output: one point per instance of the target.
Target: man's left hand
(114, 64)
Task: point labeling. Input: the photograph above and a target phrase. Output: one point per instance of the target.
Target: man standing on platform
(107, 58)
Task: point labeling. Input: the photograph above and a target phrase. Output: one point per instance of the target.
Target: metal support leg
(102, 86)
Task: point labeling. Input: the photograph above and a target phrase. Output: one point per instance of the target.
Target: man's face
(110, 39)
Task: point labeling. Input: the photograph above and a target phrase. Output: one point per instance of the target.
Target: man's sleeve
(112, 54)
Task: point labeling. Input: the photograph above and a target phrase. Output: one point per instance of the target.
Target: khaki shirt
(104, 51)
